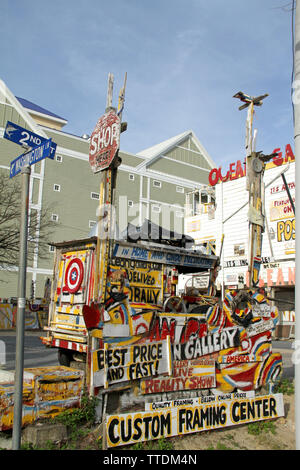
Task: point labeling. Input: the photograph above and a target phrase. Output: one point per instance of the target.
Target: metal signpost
(40, 148)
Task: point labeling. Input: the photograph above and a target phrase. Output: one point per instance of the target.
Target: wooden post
(254, 184)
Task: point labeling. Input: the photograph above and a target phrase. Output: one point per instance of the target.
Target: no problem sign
(136, 427)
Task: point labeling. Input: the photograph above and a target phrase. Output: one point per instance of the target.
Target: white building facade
(220, 212)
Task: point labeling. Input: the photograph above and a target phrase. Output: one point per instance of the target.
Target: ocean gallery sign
(147, 425)
(238, 169)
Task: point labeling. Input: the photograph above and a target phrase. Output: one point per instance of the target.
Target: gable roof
(164, 146)
(10, 97)
(157, 151)
(35, 107)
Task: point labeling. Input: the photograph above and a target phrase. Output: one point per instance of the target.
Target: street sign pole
(18, 393)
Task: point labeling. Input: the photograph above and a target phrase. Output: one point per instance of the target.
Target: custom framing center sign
(143, 426)
(105, 141)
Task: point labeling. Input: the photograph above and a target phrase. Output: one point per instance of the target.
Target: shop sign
(104, 141)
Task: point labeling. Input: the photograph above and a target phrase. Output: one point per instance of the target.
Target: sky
(184, 59)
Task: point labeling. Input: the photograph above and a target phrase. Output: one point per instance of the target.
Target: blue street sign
(30, 158)
(21, 136)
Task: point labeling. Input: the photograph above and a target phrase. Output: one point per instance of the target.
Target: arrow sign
(24, 137)
(30, 158)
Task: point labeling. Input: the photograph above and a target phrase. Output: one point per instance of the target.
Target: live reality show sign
(147, 425)
(104, 141)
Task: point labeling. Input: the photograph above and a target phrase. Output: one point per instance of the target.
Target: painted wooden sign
(113, 365)
(186, 375)
(162, 257)
(195, 401)
(141, 426)
(104, 141)
(142, 284)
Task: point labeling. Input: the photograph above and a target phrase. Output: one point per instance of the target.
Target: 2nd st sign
(21, 136)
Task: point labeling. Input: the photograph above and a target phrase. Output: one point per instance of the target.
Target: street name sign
(30, 158)
(24, 137)
(105, 141)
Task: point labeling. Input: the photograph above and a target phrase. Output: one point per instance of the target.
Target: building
(151, 184)
(221, 208)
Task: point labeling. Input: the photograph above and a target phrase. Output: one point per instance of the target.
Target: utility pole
(296, 103)
(255, 166)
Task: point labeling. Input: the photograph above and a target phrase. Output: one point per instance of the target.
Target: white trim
(64, 134)
(21, 110)
(175, 180)
(35, 271)
(155, 201)
(72, 153)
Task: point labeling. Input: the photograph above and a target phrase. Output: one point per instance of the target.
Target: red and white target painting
(74, 276)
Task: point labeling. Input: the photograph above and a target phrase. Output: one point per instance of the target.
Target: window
(179, 189)
(239, 250)
(204, 198)
(95, 196)
(54, 217)
(131, 176)
(56, 187)
(59, 158)
(130, 203)
(92, 223)
(156, 208)
(157, 184)
(51, 249)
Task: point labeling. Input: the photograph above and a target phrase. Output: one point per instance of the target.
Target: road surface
(37, 355)
(35, 352)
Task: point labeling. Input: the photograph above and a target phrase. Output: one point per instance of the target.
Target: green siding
(186, 156)
(167, 193)
(181, 171)
(8, 113)
(130, 160)
(35, 190)
(8, 152)
(69, 141)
